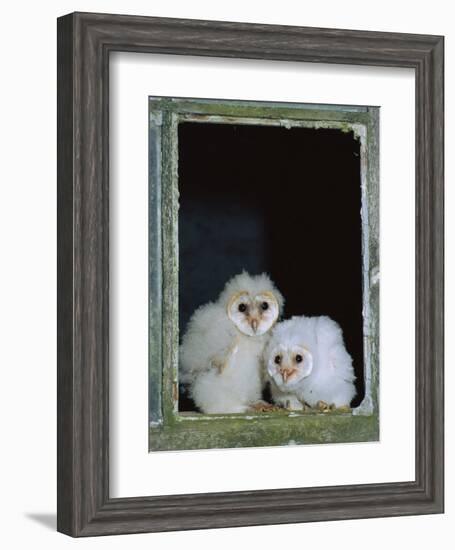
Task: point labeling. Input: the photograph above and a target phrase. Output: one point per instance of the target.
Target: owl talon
(323, 406)
(262, 406)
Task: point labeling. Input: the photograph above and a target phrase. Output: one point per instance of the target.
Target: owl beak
(254, 324)
(287, 373)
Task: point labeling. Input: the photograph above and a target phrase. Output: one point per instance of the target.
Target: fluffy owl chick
(221, 351)
(307, 362)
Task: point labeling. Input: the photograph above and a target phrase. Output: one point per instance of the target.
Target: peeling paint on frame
(169, 430)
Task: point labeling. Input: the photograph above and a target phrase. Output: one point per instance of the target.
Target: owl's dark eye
(242, 308)
(264, 306)
(298, 358)
(278, 359)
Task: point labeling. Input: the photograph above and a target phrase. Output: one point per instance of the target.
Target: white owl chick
(221, 351)
(307, 362)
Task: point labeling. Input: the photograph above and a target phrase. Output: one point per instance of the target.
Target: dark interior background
(283, 201)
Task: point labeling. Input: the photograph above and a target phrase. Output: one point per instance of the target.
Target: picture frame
(85, 507)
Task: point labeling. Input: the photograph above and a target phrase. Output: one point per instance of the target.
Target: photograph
(270, 211)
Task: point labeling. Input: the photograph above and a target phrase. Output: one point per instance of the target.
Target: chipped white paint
(156, 117)
(360, 132)
(199, 417)
(280, 122)
(286, 124)
(366, 406)
(375, 276)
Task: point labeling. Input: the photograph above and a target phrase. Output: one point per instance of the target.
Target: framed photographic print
(250, 257)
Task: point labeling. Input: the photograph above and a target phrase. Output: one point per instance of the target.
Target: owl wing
(209, 336)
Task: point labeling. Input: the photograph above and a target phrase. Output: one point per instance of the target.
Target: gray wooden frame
(84, 505)
(171, 430)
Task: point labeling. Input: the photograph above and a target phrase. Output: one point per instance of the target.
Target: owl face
(253, 315)
(288, 365)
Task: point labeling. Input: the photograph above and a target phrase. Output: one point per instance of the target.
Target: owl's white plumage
(221, 351)
(307, 362)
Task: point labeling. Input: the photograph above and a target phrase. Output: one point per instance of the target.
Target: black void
(276, 200)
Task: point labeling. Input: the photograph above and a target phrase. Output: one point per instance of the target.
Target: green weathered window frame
(171, 430)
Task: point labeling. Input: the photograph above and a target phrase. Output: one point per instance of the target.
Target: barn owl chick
(307, 362)
(221, 351)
